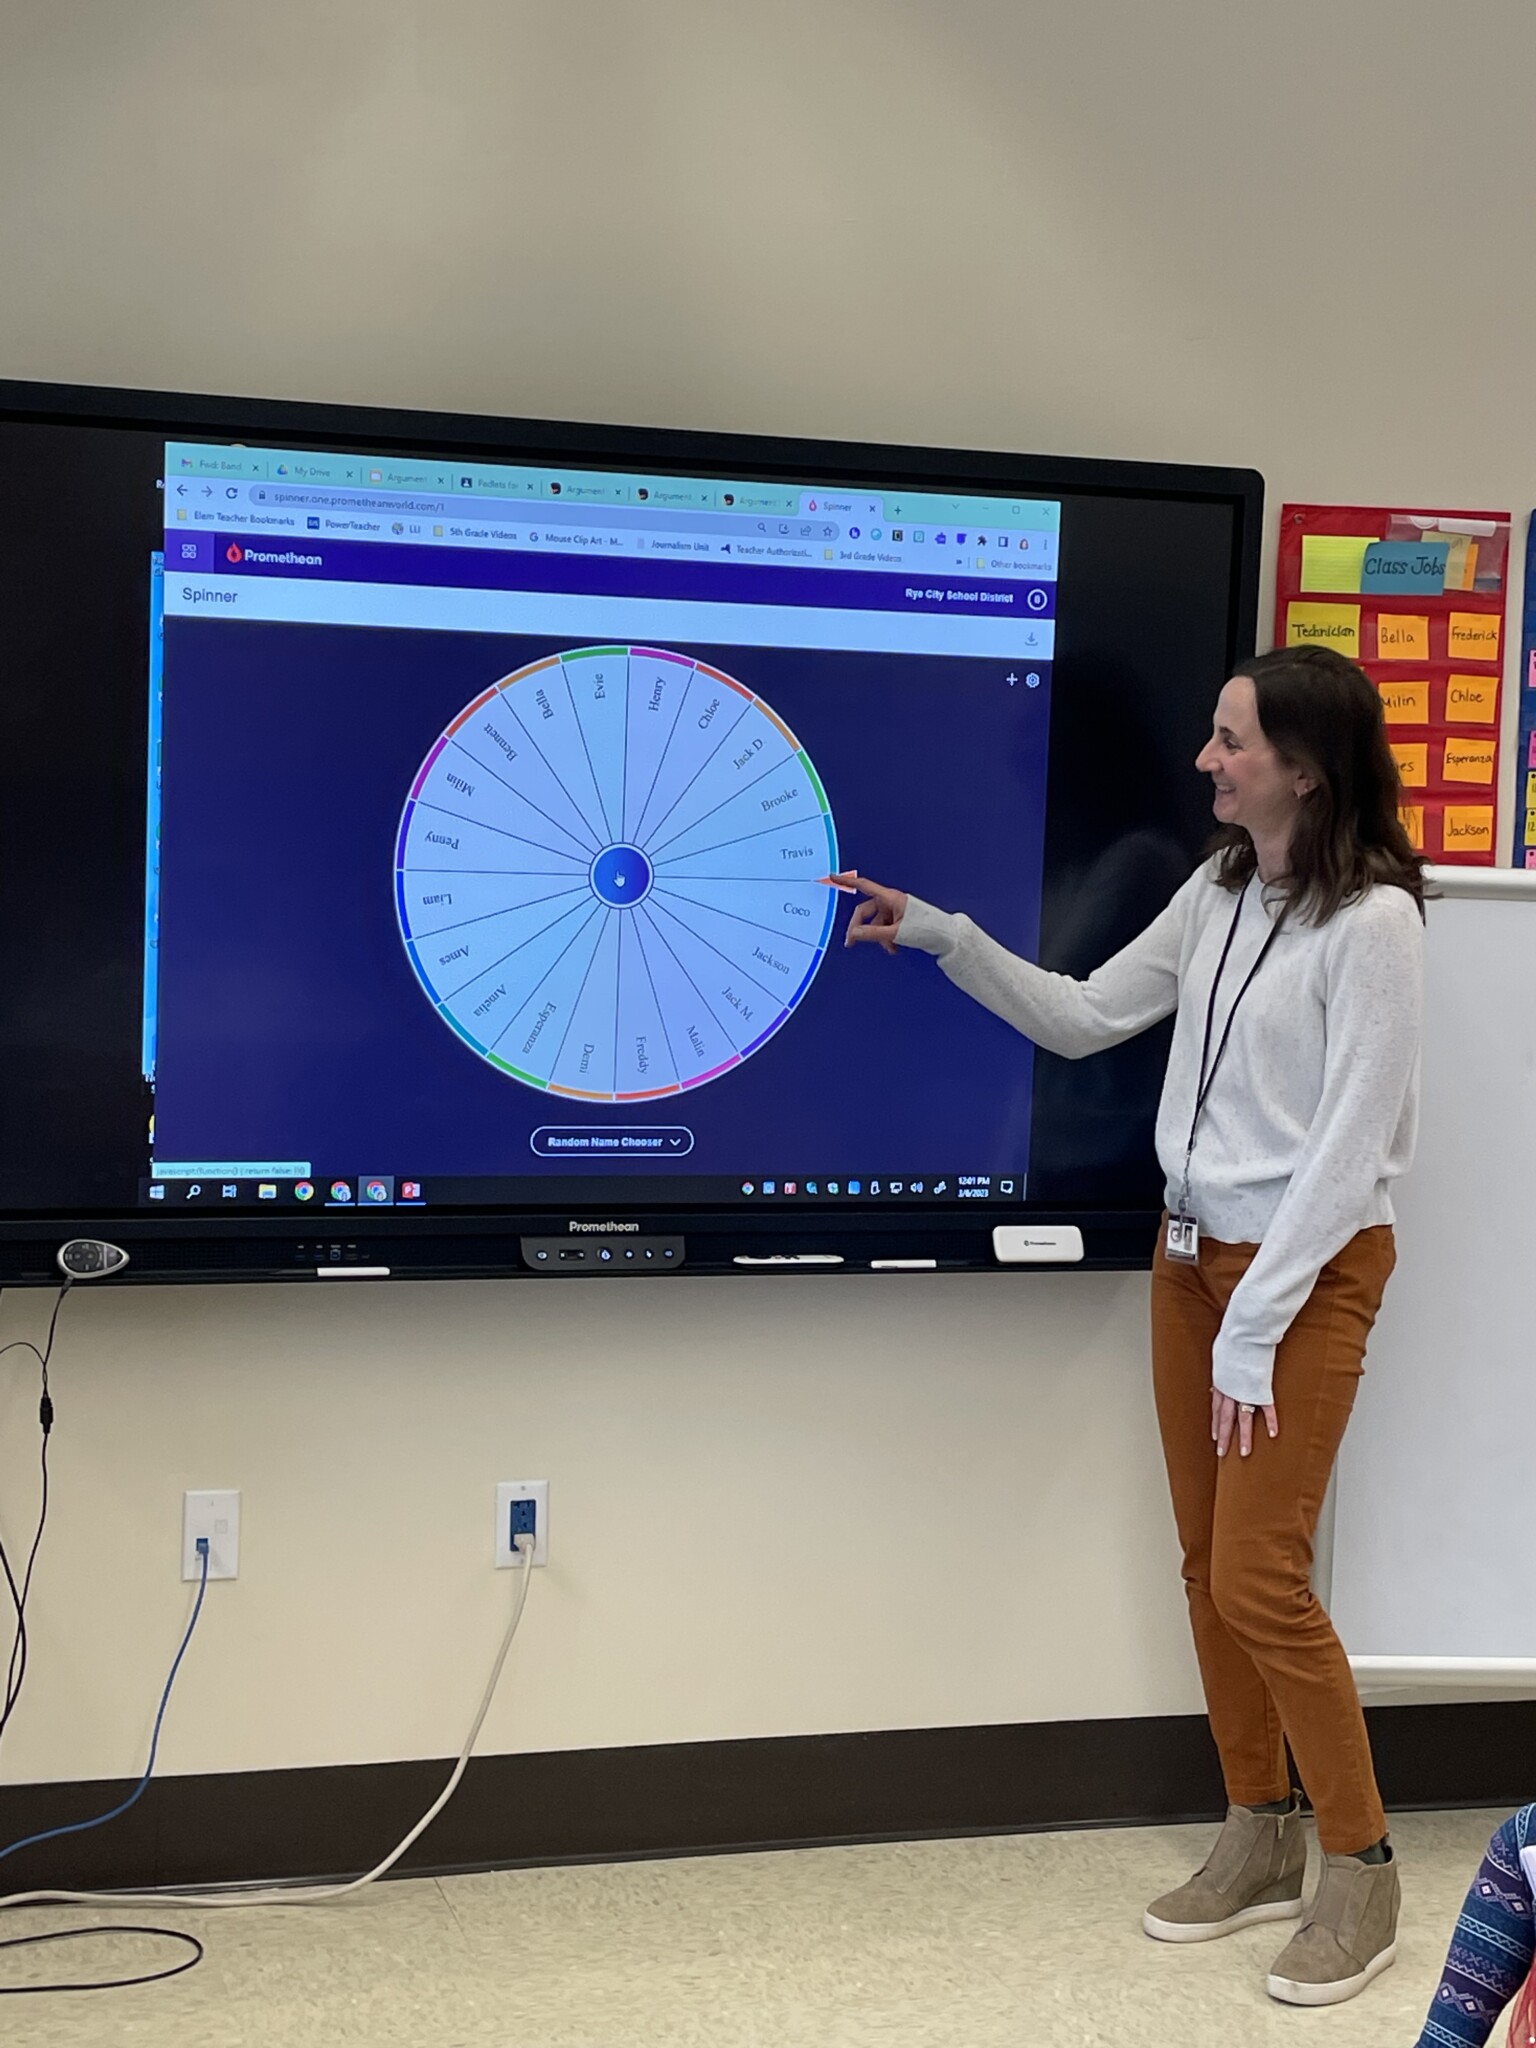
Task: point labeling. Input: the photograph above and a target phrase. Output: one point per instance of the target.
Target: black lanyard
(1208, 1065)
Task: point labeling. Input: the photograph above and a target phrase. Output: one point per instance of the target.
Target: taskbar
(308, 1190)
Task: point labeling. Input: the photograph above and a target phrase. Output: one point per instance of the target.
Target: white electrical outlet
(216, 1516)
(528, 1494)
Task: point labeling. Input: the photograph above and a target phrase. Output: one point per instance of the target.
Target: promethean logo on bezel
(605, 1229)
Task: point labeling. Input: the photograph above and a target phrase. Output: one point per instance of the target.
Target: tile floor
(1032, 1941)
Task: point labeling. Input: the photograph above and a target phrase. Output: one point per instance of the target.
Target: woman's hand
(1227, 1415)
(877, 919)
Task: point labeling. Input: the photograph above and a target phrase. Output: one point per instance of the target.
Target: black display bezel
(205, 1246)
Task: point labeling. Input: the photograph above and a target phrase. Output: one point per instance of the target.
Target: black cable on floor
(102, 1983)
(16, 1674)
(17, 1669)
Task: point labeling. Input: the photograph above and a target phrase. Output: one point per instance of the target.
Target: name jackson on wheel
(1291, 962)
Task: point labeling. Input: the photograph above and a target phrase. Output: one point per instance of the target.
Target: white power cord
(314, 1895)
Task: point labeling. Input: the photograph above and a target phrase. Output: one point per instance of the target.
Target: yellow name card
(1332, 561)
(1412, 764)
(1473, 636)
(1467, 829)
(1402, 636)
(1469, 760)
(1530, 792)
(1412, 816)
(1472, 700)
(1530, 828)
(1335, 625)
(1405, 703)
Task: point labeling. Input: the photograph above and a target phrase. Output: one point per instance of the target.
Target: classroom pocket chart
(1417, 598)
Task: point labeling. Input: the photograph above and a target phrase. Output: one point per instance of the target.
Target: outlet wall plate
(215, 1515)
(509, 1490)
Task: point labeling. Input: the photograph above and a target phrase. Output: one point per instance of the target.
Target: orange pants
(1272, 1667)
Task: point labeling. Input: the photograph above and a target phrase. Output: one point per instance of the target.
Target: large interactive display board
(428, 853)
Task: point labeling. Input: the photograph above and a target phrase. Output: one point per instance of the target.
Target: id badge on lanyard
(1182, 1239)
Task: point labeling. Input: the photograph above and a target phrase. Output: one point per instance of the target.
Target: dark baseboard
(698, 1798)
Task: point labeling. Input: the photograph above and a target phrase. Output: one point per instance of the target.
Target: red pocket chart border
(1424, 807)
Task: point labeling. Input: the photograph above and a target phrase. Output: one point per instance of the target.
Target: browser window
(490, 814)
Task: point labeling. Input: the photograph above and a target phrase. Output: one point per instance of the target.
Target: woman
(1292, 964)
(1492, 1949)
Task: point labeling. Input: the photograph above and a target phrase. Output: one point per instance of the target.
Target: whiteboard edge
(1484, 882)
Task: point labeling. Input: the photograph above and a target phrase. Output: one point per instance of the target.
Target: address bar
(348, 501)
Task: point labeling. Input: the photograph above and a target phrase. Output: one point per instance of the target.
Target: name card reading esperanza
(1405, 703)
(1469, 760)
(1472, 700)
(1334, 625)
(1402, 636)
(1473, 636)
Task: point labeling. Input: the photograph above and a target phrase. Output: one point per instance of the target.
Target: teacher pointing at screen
(1291, 963)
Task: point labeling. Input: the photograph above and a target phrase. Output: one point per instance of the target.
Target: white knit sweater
(1314, 1108)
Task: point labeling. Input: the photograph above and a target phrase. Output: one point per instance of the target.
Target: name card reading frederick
(1469, 760)
(1335, 625)
(1412, 763)
(1472, 700)
(1405, 703)
(1402, 636)
(1473, 636)
(1467, 830)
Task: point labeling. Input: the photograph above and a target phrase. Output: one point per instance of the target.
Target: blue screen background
(292, 1027)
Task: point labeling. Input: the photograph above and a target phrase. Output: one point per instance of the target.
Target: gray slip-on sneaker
(1348, 1937)
(1254, 1873)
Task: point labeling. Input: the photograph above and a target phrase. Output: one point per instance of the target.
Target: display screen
(409, 829)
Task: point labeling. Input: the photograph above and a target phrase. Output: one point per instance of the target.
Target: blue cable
(80, 1826)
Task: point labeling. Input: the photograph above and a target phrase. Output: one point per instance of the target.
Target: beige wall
(1292, 235)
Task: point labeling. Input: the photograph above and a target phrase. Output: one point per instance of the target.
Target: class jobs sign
(1417, 598)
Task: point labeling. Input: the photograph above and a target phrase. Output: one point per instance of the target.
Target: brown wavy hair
(1323, 715)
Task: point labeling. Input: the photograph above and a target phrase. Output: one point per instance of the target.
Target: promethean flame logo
(605, 1228)
(234, 552)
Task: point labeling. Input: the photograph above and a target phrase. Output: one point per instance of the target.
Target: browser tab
(780, 498)
(578, 487)
(315, 469)
(842, 504)
(185, 460)
(383, 473)
(674, 493)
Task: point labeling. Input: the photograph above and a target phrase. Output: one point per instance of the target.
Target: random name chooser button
(612, 1141)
